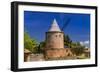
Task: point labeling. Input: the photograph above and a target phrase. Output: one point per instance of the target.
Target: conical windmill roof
(54, 26)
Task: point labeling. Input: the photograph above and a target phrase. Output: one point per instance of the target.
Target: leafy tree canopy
(29, 43)
(77, 48)
(67, 41)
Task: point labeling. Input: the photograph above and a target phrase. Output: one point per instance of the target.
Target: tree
(29, 43)
(67, 41)
(77, 48)
(41, 46)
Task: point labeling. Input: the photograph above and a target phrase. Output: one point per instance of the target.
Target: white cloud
(85, 43)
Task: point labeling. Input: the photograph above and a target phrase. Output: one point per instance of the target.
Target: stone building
(54, 37)
(26, 55)
(55, 42)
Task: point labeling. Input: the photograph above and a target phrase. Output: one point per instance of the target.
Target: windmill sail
(65, 24)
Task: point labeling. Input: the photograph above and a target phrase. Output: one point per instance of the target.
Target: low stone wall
(36, 57)
(57, 53)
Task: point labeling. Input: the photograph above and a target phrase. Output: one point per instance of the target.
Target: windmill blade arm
(65, 24)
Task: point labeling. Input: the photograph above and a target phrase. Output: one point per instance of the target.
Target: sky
(78, 28)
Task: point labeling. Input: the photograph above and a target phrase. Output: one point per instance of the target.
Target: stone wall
(37, 57)
(33, 57)
(54, 40)
(58, 53)
(54, 53)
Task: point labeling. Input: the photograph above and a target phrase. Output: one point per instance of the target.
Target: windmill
(55, 41)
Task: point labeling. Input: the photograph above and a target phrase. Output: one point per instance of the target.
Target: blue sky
(37, 23)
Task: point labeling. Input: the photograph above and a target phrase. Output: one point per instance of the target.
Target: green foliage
(67, 41)
(42, 44)
(29, 43)
(41, 47)
(77, 48)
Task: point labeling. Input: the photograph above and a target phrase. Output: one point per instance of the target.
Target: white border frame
(22, 64)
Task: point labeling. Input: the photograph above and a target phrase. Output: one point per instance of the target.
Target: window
(59, 35)
(56, 35)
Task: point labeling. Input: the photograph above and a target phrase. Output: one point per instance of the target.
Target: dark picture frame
(14, 35)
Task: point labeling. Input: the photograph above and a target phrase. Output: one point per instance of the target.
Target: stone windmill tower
(54, 42)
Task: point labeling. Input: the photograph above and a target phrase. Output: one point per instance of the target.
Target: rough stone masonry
(55, 42)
